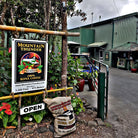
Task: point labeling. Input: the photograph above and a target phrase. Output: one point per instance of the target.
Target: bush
(54, 71)
(5, 72)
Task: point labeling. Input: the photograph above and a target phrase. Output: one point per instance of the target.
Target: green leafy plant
(54, 69)
(54, 72)
(87, 75)
(5, 72)
(8, 113)
(35, 117)
(74, 70)
(77, 104)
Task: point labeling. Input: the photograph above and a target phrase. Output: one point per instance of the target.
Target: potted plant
(134, 68)
(90, 84)
(81, 81)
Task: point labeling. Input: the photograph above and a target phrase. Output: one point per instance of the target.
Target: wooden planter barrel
(91, 87)
(81, 85)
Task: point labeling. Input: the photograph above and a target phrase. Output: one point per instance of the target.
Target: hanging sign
(29, 65)
(32, 108)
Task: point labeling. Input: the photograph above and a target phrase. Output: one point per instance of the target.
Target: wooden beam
(30, 30)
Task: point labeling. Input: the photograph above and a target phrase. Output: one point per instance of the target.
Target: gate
(100, 77)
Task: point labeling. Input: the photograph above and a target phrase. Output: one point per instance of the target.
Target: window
(107, 56)
(100, 55)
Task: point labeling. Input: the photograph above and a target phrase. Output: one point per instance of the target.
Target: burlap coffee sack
(62, 110)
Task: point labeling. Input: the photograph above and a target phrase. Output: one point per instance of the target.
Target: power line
(115, 6)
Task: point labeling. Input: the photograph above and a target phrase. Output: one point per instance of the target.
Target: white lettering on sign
(32, 108)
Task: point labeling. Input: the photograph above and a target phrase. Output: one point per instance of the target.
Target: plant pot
(91, 87)
(81, 84)
(134, 70)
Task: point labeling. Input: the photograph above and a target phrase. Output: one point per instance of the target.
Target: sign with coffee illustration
(29, 65)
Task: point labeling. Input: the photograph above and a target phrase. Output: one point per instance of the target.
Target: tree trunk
(54, 28)
(2, 23)
(12, 17)
(14, 34)
(64, 50)
(47, 12)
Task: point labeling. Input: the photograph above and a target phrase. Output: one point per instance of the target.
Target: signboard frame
(29, 65)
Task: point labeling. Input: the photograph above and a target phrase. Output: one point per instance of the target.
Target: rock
(89, 107)
(81, 121)
(94, 109)
(99, 122)
(42, 129)
(78, 119)
(136, 136)
(88, 136)
(51, 128)
(25, 128)
(119, 120)
(12, 136)
(89, 111)
(83, 114)
(30, 131)
(9, 131)
(31, 124)
(84, 122)
(107, 135)
(84, 101)
(86, 104)
(94, 115)
(92, 123)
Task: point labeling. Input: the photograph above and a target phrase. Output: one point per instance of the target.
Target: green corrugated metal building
(99, 38)
(86, 37)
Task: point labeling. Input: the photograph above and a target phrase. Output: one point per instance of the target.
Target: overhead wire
(115, 6)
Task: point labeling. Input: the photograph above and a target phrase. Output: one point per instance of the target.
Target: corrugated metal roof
(73, 43)
(107, 21)
(97, 44)
(127, 47)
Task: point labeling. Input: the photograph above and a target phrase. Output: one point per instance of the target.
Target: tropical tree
(44, 14)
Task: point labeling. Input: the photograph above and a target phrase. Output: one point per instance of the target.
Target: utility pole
(64, 47)
(92, 19)
(100, 18)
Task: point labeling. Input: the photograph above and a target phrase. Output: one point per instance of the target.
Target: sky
(107, 9)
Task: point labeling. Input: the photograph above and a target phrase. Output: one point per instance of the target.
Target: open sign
(32, 108)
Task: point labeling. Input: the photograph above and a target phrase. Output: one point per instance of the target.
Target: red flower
(8, 111)
(1, 108)
(6, 106)
(4, 103)
(51, 88)
(5, 83)
(77, 93)
(10, 49)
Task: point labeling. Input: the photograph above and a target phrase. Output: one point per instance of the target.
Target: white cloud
(132, 6)
(105, 8)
